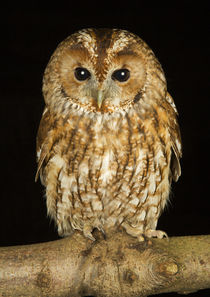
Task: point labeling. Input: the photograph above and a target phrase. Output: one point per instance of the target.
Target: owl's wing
(176, 141)
(42, 142)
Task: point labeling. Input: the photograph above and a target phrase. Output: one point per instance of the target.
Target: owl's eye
(81, 74)
(121, 75)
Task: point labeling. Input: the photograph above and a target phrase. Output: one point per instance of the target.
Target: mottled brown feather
(110, 165)
(43, 148)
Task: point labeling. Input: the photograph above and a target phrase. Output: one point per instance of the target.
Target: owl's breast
(108, 151)
(103, 169)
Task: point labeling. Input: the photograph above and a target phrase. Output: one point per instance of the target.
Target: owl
(108, 144)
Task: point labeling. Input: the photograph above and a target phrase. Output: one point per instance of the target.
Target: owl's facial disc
(100, 75)
(107, 88)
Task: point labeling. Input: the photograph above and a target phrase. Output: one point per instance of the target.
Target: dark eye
(81, 73)
(121, 75)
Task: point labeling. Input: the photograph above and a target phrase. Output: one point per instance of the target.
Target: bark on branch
(118, 266)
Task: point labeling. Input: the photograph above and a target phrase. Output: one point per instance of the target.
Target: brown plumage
(108, 144)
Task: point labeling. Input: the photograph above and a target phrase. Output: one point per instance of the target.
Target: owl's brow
(77, 46)
(127, 52)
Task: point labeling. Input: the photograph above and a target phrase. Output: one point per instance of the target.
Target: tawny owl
(108, 143)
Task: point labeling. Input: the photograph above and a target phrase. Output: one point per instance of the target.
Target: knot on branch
(121, 267)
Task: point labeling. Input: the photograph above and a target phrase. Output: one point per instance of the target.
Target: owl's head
(102, 70)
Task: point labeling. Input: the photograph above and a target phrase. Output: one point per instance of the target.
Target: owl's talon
(101, 230)
(90, 236)
(87, 231)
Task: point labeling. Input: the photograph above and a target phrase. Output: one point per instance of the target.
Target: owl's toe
(155, 233)
(134, 231)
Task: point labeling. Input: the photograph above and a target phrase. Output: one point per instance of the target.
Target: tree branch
(118, 266)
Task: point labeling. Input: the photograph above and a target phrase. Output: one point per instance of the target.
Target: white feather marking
(45, 110)
(111, 221)
(120, 43)
(106, 172)
(125, 188)
(66, 200)
(58, 161)
(139, 161)
(159, 155)
(154, 199)
(68, 182)
(144, 195)
(114, 204)
(134, 201)
(88, 197)
(77, 204)
(152, 212)
(38, 153)
(97, 205)
(152, 183)
(83, 168)
(142, 215)
(178, 144)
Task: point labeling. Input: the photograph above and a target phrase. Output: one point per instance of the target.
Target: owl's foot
(140, 234)
(155, 233)
(88, 229)
(134, 231)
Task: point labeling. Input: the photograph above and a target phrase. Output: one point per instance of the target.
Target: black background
(179, 36)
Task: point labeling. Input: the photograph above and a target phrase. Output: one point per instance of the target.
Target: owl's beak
(100, 98)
